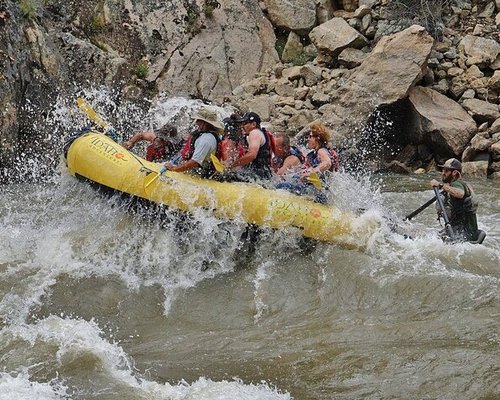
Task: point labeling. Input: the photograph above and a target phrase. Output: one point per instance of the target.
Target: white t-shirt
(205, 145)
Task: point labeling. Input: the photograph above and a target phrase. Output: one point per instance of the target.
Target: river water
(97, 302)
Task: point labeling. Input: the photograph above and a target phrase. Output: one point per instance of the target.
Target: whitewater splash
(97, 300)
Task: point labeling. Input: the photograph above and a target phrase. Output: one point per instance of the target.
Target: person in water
(287, 158)
(256, 162)
(195, 155)
(459, 201)
(163, 142)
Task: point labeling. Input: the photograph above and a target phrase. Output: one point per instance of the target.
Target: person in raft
(460, 203)
(195, 154)
(319, 160)
(255, 164)
(163, 143)
(287, 158)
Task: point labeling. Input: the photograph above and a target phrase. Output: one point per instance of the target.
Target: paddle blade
(219, 167)
(153, 176)
(314, 179)
(87, 109)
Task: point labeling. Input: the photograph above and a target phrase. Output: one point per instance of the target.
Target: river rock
(482, 111)
(324, 11)
(479, 50)
(351, 58)
(495, 147)
(494, 81)
(475, 168)
(293, 48)
(495, 127)
(441, 122)
(335, 35)
(488, 10)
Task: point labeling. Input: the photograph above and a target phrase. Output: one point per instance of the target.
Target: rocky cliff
(402, 83)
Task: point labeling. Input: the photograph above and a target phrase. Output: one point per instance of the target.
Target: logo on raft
(105, 148)
(300, 213)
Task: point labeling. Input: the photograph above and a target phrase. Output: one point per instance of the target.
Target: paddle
(153, 176)
(87, 109)
(96, 118)
(420, 209)
(314, 179)
(447, 225)
(219, 167)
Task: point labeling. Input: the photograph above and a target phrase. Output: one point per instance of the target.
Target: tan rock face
(475, 168)
(222, 55)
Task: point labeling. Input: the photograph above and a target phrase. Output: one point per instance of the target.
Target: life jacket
(313, 159)
(293, 151)
(462, 212)
(207, 169)
(224, 145)
(261, 165)
(155, 153)
(187, 149)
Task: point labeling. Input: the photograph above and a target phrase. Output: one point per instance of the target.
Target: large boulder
(297, 15)
(440, 122)
(479, 51)
(335, 35)
(482, 111)
(385, 76)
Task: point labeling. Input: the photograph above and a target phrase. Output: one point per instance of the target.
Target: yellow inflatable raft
(98, 158)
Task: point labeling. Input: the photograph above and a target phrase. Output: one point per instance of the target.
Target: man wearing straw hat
(200, 145)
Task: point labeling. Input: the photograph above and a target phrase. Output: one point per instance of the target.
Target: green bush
(28, 9)
(141, 70)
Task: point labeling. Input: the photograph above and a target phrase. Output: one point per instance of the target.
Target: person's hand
(435, 183)
(304, 174)
(128, 144)
(168, 165)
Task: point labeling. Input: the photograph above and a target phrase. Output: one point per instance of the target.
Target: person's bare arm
(453, 191)
(185, 166)
(150, 136)
(253, 149)
(289, 163)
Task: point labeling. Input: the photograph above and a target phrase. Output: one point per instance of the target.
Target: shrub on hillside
(428, 13)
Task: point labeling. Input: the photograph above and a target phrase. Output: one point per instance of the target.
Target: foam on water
(69, 341)
(18, 386)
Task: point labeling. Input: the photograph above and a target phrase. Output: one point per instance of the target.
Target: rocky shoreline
(400, 90)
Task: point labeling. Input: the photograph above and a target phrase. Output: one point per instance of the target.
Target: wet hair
(320, 132)
(166, 131)
(286, 139)
(232, 126)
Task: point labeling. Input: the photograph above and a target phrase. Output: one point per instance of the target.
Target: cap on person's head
(166, 132)
(452, 163)
(250, 117)
(209, 116)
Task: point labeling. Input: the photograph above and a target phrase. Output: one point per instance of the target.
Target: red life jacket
(187, 149)
(335, 160)
(155, 153)
(225, 145)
